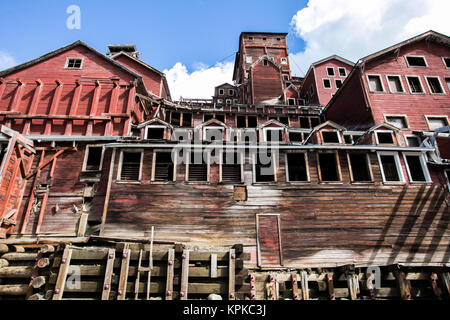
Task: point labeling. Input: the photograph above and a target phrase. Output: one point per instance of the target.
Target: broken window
(175, 118)
(342, 72)
(155, 133)
(413, 141)
(131, 166)
(416, 61)
(94, 158)
(231, 167)
(296, 167)
(198, 168)
(330, 71)
(295, 136)
(328, 167)
(187, 120)
(390, 167)
(398, 121)
(437, 122)
(395, 85)
(375, 84)
(434, 84)
(264, 167)
(164, 167)
(359, 167)
(446, 62)
(304, 123)
(327, 83)
(416, 168)
(338, 83)
(384, 137)
(74, 63)
(330, 137)
(241, 123)
(414, 84)
(284, 120)
(252, 122)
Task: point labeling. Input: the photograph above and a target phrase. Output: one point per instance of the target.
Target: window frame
(174, 174)
(440, 83)
(420, 82)
(66, 65)
(286, 163)
(427, 118)
(338, 164)
(369, 167)
(404, 116)
(208, 167)
(413, 56)
(323, 83)
(272, 129)
(383, 89)
(86, 156)
(328, 74)
(205, 129)
(331, 143)
(284, 61)
(423, 164)
(275, 169)
(248, 59)
(392, 132)
(156, 127)
(443, 60)
(119, 170)
(335, 83)
(290, 99)
(339, 72)
(406, 136)
(241, 155)
(397, 165)
(221, 92)
(231, 92)
(401, 83)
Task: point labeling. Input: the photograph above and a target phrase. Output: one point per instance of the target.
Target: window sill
(162, 182)
(420, 182)
(400, 183)
(127, 182)
(197, 182)
(331, 182)
(232, 183)
(297, 182)
(272, 183)
(404, 92)
(378, 92)
(362, 182)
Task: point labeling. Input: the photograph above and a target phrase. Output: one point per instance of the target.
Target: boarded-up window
(328, 167)
(297, 168)
(94, 158)
(231, 167)
(163, 166)
(264, 168)
(375, 84)
(198, 168)
(390, 168)
(269, 246)
(360, 167)
(131, 166)
(415, 168)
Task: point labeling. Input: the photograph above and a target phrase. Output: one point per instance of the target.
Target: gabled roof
(155, 120)
(336, 57)
(290, 86)
(211, 121)
(64, 49)
(272, 121)
(383, 124)
(331, 124)
(268, 58)
(225, 84)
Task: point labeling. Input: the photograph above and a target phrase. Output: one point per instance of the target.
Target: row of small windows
(420, 61)
(249, 59)
(414, 84)
(230, 92)
(265, 167)
(327, 83)
(342, 72)
(401, 121)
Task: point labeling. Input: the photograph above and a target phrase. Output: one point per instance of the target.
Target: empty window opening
(207, 117)
(330, 137)
(94, 158)
(291, 101)
(435, 85)
(415, 85)
(297, 169)
(228, 101)
(301, 102)
(252, 122)
(274, 135)
(131, 166)
(446, 62)
(338, 83)
(360, 167)
(264, 168)
(163, 166)
(260, 110)
(187, 120)
(398, 121)
(415, 168)
(342, 72)
(220, 117)
(437, 122)
(413, 141)
(375, 84)
(395, 84)
(175, 118)
(213, 133)
(328, 167)
(231, 92)
(279, 110)
(74, 63)
(304, 123)
(330, 71)
(241, 123)
(283, 60)
(315, 122)
(385, 137)
(155, 133)
(198, 168)
(327, 83)
(348, 139)
(447, 81)
(231, 167)
(284, 120)
(221, 92)
(416, 61)
(265, 62)
(390, 168)
(296, 136)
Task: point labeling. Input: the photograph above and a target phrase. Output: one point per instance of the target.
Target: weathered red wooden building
(95, 146)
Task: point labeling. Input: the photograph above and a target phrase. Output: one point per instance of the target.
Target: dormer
(383, 134)
(273, 131)
(156, 129)
(291, 95)
(327, 133)
(213, 130)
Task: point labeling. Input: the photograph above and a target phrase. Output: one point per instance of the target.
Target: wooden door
(269, 240)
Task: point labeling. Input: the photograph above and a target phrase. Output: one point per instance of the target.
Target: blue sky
(188, 40)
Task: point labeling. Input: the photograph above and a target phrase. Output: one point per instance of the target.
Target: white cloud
(355, 28)
(6, 60)
(200, 83)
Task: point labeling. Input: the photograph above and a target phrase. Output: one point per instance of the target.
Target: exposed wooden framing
(232, 275)
(213, 265)
(434, 285)
(34, 274)
(20, 157)
(294, 280)
(17, 96)
(46, 162)
(184, 275)
(45, 198)
(94, 106)
(330, 285)
(445, 280)
(169, 277)
(55, 103)
(272, 292)
(353, 286)
(138, 277)
(34, 104)
(62, 275)
(122, 290)
(108, 274)
(150, 265)
(74, 106)
(130, 107)
(370, 286)
(31, 198)
(10, 187)
(108, 190)
(403, 285)
(305, 288)
(252, 286)
(112, 107)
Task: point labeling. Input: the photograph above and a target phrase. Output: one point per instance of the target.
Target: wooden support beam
(108, 191)
(213, 266)
(112, 107)
(130, 107)
(108, 274)
(294, 280)
(74, 107)
(10, 187)
(43, 165)
(150, 265)
(62, 275)
(34, 104)
(138, 277)
(184, 275)
(445, 281)
(330, 285)
(434, 285)
(403, 285)
(122, 291)
(353, 286)
(232, 275)
(17, 97)
(272, 292)
(252, 286)
(304, 282)
(55, 103)
(169, 277)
